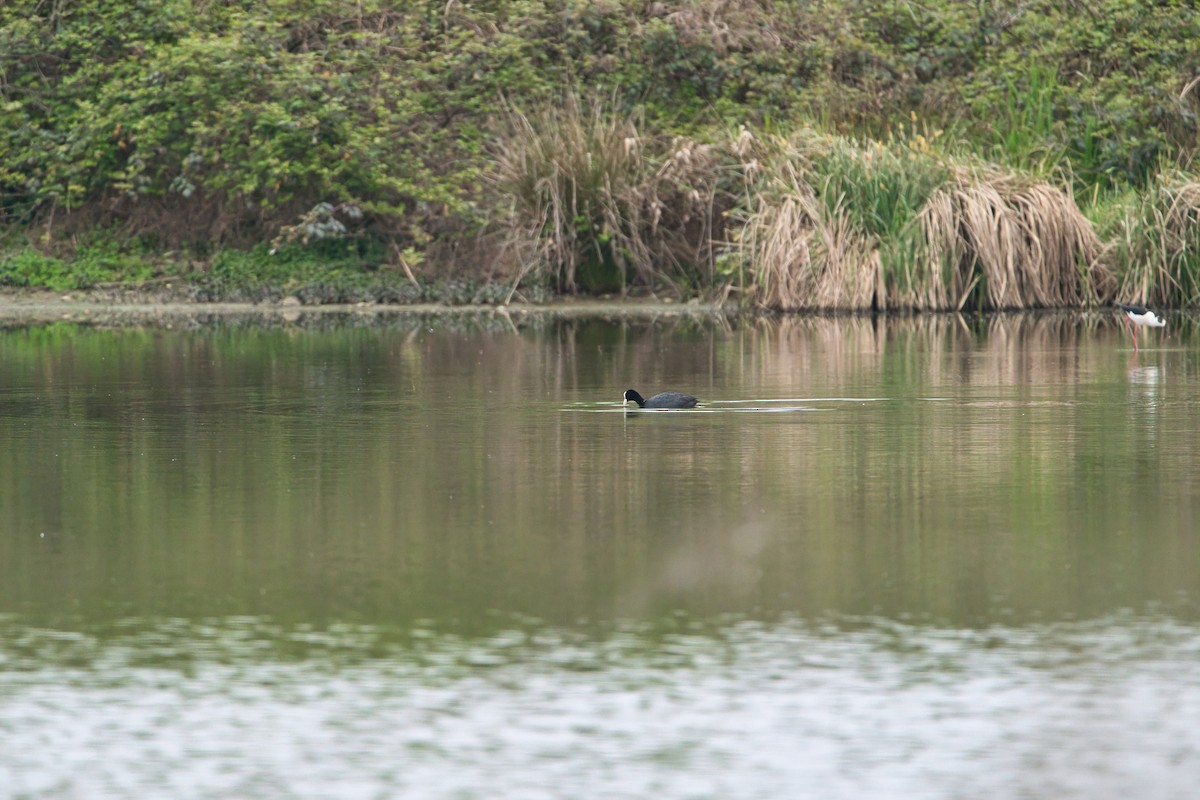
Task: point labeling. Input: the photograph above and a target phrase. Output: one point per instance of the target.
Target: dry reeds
(1011, 243)
(842, 226)
(599, 206)
(822, 222)
(804, 255)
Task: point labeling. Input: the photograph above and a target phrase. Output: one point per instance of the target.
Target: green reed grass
(881, 188)
(1024, 135)
(1153, 241)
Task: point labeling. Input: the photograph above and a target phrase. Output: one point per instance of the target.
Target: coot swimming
(662, 400)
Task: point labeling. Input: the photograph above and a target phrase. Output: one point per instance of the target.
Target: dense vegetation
(833, 153)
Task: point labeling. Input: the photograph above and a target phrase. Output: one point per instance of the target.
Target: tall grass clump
(882, 188)
(835, 224)
(1009, 243)
(597, 205)
(1154, 243)
(802, 253)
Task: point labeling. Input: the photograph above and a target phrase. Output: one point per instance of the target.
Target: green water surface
(423, 499)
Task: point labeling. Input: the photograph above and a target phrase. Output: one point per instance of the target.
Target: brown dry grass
(804, 256)
(833, 225)
(598, 205)
(1012, 243)
(723, 25)
(821, 223)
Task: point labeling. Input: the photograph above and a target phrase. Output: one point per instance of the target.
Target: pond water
(407, 556)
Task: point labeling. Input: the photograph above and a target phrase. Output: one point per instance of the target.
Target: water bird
(661, 400)
(1140, 317)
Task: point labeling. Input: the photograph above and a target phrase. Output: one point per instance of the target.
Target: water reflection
(391, 555)
(958, 470)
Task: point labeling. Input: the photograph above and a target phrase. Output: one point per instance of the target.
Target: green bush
(29, 268)
(89, 267)
(1119, 67)
(331, 126)
(241, 119)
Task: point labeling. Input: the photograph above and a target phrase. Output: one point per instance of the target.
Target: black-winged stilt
(663, 400)
(1140, 317)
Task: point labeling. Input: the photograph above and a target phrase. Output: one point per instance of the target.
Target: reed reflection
(938, 467)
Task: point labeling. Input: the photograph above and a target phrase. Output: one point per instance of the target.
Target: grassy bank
(835, 155)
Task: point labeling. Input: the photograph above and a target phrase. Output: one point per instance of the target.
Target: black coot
(662, 400)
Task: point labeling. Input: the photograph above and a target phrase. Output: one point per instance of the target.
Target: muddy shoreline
(39, 307)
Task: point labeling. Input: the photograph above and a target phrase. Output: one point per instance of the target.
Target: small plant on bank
(102, 259)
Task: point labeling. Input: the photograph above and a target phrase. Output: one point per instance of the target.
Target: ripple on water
(850, 709)
(758, 406)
